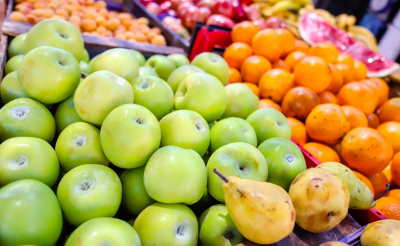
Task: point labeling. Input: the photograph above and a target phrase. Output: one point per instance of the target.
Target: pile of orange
(335, 112)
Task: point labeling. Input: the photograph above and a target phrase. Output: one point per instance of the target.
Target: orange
(380, 87)
(312, 72)
(355, 117)
(275, 83)
(267, 43)
(373, 120)
(388, 174)
(298, 102)
(234, 76)
(366, 181)
(360, 70)
(298, 129)
(287, 40)
(391, 130)
(345, 59)
(244, 32)
(358, 95)
(379, 182)
(267, 103)
(327, 97)
(302, 46)
(327, 123)
(390, 110)
(326, 51)
(346, 73)
(293, 58)
(280, 64)
(366, 150)
(394, 193)
(395, 169)
(322, 152)
(336, 79)
(253, 88)
(389, 207)
(236, 53)
(254, 67)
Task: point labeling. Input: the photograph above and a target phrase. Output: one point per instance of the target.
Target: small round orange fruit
(389, 207)
(395, 169)
(391, 130)
(327, 97)
(379, 182)
(275, 83)
(355, 116)
(253, 88)
(312, 72)
(280, 64)
(267, 43)
(347, 75)
(360, 70)
(234, 76)
(394, 193)
(298, 129)
(366, 181)
(244, 32)
(287, 40)
(236, 54)
(322, 152)
(358, 95)
(390, 110)
(326, 51)
(302, 46)
(293, 58)
(381, 89)
(254, 67)
(373, 120)
(298, 102)
(267, 103)
(336, 79)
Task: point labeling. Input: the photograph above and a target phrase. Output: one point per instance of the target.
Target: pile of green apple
(92, 144)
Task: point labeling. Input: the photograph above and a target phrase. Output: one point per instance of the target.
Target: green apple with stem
(16, 46)
(66, 114)
(235, 159)
(213, 64)
(29, 214)
(13, 63)
(147, 71)
(167, 224)
(85, 68)
(186, 129)
(241, 101)
(175, 175)
(129, 135)
(179, 60)
(231, 130)
(154, 94)
(180, 73)
(162, 65)
(85, 57)
(78, 144)
(25, 117)
(202, 93)
(89, 191)
(140, 57)
(99, 93)
(28, 158)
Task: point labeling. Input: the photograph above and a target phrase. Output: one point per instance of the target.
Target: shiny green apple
(140, 57)
(85, 57)
(180, 73)
(147, 71)
(241, 101)
(11, 88)
(213, 64)
(66, 114)
(13, 63)
(162, 65)
(179, 60)
(16, 46)
(85, 68)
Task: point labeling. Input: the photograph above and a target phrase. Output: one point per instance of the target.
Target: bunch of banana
(364, 36)
(286, 9)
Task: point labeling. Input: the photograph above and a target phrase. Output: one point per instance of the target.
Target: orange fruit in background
(390, 110)
(366, 181)
(298, 102)
(327, 97)
(379, 182)
(275, 83)
(380, 87)
(302, 46)
(373, 120)
(267, 103)
(253, 88)
(345, 59)
(299, 133)
(326, 51)
(355, 117)
(236, 54)
(254, 67)
(389, 207)
(322, 152)
(395, 169)
(287, 40)
(366, 150)
(267, 43)
(360, 70)
(244, 32)
(358, 95)
(327, 123)
(394, 193)
(234, 76)
(312, 72)
(293, 58)
(336, 79)
(388, 173)
(391, 130)
(346, 73)
(280, 64)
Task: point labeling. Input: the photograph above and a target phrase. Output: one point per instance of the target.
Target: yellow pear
(381, 233)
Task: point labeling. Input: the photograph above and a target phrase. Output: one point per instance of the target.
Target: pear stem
(384, 193)
(84, 75)
(220, 175)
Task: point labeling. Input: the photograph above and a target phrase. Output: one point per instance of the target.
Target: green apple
(285, 161)
(24, 117)
(48, 74)
(154, 94)
(78, 144)
(85, 57)
(162, 65)
(104, 231)
(85, 68)
(134, 194)
(140, 57)
(167, 224)
(213, 64)
(231, 130)
(179, 60)
(269, 123)
(241, 101)
(175, 175)
(100, 93)
(186, 129)
(13, 63)
(235, 159)
(28, 158)
(217, 228)
(205, 202)
(29, 214)
(66, 114)
(89, 191)
(16, 46)
(180, 73)
(129, 135)
(147, 71)
(55, 33)
(11, 88)
(202, 93)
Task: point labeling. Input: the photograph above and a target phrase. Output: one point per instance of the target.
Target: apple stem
(84, 75)
(220, 175)
(384, 193)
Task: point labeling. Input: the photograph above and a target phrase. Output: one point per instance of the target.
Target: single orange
(312, 72)
(298, 102)
(244, 32)
(302, 46)
(287, 40)
(254, 67)
(322, 152)
(326, 51)
(388, 174)
(253, 88)
(275, 83)
(299, 133)
(394, 193)
(358, 95)
(336, 79)
(360, 70)
(366, 181)
(355, 116)
(267, 103)
(366, 150)
(373, 120)
(327, 97)
(267, 43)
(381, 89)
(280, 64)
(234, 76)
(390, 110)
(236, 54)
(391, 130)
(389, 207)
(395, 169)
(379, 182)
(293, 58)
(347, 75)
(345, 59)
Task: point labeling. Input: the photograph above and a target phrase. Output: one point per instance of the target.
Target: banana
(304, 2)
(280, 7)
(364, 36)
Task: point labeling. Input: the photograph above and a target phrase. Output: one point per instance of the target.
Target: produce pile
(90, 17)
